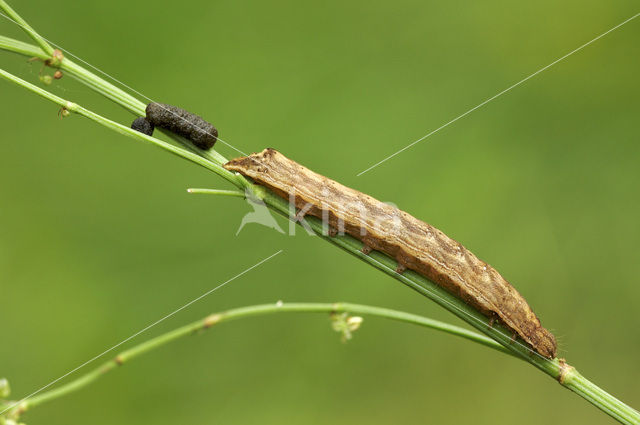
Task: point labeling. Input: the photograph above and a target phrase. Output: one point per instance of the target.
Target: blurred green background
(98, 237)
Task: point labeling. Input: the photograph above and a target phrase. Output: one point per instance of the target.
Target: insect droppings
(142, 125)
(200, 132)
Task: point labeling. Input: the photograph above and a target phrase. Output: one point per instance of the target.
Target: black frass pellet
(184, 123)
(142, 125)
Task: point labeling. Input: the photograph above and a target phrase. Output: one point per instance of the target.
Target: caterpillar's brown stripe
(415, 244)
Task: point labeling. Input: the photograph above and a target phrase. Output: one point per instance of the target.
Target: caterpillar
(200, 132)
(415, 244)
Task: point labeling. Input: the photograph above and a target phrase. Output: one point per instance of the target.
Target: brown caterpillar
(415, 244)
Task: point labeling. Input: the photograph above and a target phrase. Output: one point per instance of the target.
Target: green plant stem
(22, 48)
(213, 161)
(217, 192)
(27, 28)
(241, 313)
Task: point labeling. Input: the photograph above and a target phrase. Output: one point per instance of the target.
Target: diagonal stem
(12, 15)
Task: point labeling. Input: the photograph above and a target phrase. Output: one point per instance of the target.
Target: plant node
(566, 371)
(56, 59)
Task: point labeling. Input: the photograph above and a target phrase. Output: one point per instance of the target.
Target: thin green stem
(46, 47)
(103, 87)
(213, 161)
(25, 49)
(217, 192)
(580, 385)
(242, 313)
